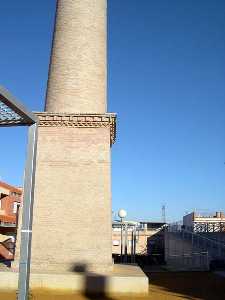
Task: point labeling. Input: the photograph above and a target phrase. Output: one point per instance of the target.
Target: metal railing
(189, 261)
(215, 249)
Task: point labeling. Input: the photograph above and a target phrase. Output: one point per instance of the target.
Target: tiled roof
(10, 187)
(12, 198)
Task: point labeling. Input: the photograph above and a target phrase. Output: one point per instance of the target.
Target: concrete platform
(123, 279)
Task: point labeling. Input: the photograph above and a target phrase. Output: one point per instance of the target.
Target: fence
(189, 250)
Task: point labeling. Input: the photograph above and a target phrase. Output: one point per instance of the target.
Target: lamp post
(122, 214)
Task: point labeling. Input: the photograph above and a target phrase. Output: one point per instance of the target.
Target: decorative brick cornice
(79, 120)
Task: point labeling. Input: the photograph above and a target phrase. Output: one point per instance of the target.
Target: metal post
(26, 230)
(125, 250)
(132, 245)
(135, 238)
(121, 239)
(207, 260)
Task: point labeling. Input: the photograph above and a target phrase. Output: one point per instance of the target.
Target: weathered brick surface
(72, 211)
(77, 78)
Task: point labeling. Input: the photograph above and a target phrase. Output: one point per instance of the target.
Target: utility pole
(164, 213)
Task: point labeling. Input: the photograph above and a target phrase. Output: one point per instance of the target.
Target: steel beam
(26, 230)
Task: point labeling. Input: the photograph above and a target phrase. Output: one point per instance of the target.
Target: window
(14, 207)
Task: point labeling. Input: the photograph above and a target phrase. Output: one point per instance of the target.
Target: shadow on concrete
(95, 284)
(188, 285)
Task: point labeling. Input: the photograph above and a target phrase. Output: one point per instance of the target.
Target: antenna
(164, 213)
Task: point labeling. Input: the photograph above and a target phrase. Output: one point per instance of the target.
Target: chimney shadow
(94, 284)
(79, 268)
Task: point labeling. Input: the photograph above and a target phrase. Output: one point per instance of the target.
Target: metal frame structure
(207, 226)
(13, 113)
(124, 226)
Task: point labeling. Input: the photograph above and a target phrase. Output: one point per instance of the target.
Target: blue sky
(166, 75)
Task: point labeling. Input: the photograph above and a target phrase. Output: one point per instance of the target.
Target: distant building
(10, 200)
(138, 236)
(197, 222)
(9, 190)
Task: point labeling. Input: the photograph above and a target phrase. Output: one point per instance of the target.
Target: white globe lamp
(122, 213)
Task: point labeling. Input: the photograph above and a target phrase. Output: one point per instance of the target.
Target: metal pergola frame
(13, 113)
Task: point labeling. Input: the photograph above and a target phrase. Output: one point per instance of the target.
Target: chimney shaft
(77, 73)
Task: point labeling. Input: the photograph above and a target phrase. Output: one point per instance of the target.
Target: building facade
(10, 201)
(136, 237)
(197, 222)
